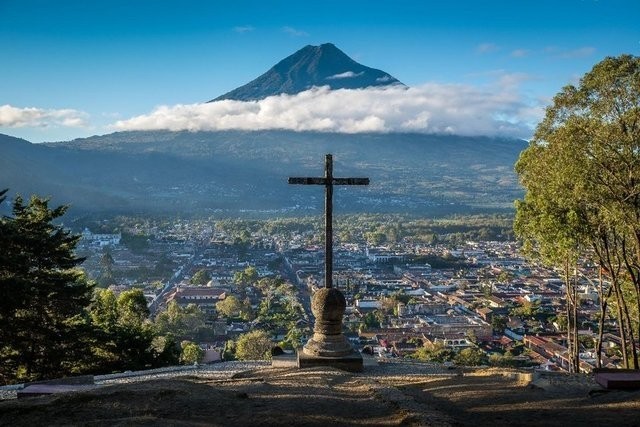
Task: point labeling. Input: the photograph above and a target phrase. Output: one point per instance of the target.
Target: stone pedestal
(328, 346)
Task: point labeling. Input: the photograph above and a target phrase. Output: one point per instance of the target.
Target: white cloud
(497, 109)
(512, 80)
(294, 32)
(243, 29)
(486, 48)
(345, 75)
(15, 117)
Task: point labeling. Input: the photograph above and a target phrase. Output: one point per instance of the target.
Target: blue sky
(77, 68)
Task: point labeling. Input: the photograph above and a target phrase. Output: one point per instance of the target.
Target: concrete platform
(73, 380)
(46, 389)
(620, 379)
(284, 361)
(351, 363)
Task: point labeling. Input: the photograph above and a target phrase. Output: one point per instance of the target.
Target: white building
(100, 240)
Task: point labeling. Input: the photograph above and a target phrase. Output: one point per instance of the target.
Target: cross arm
(334, 181)
(308, 181)
(351, 181)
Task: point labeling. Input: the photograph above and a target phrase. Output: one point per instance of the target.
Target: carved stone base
(351, 362)
(328, 346)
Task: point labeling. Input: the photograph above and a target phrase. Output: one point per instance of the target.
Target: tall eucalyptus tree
(581, 173)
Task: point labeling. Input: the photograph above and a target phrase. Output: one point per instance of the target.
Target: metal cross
(328, 181)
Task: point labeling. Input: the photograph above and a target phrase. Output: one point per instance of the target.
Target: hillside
(389, 394)
(231, 172)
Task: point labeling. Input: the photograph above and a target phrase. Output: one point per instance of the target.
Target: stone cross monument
(328, 346)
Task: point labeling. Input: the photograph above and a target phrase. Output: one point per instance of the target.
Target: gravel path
(407, 368)
(222, 370)
(374, 369)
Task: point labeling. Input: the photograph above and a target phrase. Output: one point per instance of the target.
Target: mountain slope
(231, 172)
(311, 66)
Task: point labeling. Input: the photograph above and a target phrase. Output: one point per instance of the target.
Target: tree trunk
(571, 320)
(621, 319)
(576, 342)
(575, 350)
(634, 275)
(630, 336)
(603, 314)
(610, 253)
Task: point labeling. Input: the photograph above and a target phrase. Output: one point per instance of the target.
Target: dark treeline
(377, 229)
(54, 321)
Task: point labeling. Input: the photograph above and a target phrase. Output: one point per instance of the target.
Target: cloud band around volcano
(430, 108)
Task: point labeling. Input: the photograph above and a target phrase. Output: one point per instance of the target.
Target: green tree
(104, 309)
(528, 309)
(499, 323)
(345, 235)
(561, 321)
(254, 345)
(581, 174)
(132, 307)
(191, 353)
(500, 360)
(202, 277)
(294, 337)
(164, 266)
(106, 277)
(373, 319)
(43, 295)
(435, 353)
(375, 238)
(471, 357)
(230, 306)
(137, 243)
(269, 288)
(242, 241)
(243, 279)
(181, 322)
(157, 285)
(229, 351)
(124, 337)
(166, 350)
(505, 276)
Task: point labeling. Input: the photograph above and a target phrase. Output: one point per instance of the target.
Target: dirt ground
(328, 397)
(490, 400)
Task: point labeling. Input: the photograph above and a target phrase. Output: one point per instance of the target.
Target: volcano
(323, 65)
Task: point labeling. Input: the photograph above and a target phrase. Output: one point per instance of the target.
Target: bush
(254, 345)
(191, 353)
(471, 357)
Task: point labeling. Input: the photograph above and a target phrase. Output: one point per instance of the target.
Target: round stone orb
(328, 304)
